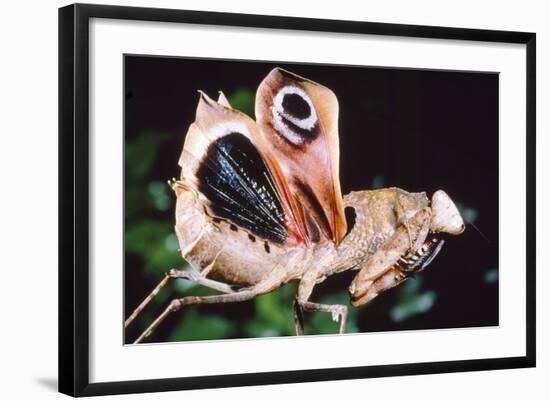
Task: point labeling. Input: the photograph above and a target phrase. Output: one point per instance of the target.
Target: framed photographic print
(296, 215)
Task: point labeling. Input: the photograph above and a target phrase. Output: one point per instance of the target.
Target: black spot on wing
(296, 106)
(235, 179)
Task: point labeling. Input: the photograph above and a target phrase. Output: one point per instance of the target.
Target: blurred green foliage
(152, 249)
(412, 301)
(243, 100)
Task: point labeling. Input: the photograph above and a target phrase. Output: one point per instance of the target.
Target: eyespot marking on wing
(294, 115)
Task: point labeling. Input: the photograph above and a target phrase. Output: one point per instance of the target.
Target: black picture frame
(74, 198)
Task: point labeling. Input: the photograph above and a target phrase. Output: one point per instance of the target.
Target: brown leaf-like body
(215, 248)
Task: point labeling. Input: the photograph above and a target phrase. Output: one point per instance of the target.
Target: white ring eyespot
(294, 115)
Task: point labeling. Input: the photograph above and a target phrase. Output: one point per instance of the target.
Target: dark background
(420, 130)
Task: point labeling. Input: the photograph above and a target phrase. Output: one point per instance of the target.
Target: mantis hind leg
(190, 275)
(230, 296)
(179, 303)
